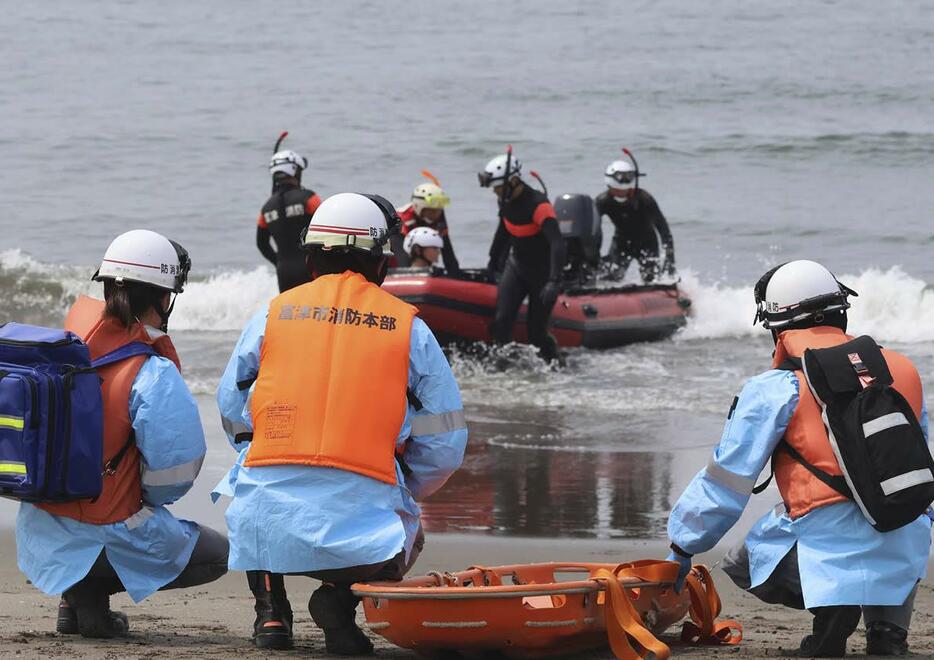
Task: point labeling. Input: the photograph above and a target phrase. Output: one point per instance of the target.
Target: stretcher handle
(630, 639)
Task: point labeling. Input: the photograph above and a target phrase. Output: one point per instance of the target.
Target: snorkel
(539, 179)
(275, 150)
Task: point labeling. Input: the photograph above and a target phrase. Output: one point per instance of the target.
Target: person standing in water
(126, 539)
(529, 241)
(817, 549)
(344, 411)
(637, 221)
(283, 218)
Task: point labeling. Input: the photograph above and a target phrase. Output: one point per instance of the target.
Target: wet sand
(213, 621)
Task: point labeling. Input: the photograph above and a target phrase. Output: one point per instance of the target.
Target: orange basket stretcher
(540, 610)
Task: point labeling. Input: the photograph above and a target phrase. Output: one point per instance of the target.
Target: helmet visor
(436, 201)
(623, 177)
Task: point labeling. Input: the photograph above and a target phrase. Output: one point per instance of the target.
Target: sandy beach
(214, 621)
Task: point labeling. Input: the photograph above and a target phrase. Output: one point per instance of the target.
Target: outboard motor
(580, 226)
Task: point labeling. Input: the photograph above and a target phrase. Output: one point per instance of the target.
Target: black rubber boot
(87, 612)
(273, 626)
(333, 609)
(831, 628)
(884, 638)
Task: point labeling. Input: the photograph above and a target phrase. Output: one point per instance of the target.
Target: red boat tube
(460, 310)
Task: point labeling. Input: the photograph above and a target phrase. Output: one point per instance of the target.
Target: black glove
(549, 294)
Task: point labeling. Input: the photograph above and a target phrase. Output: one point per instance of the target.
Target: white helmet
(423, 237)
(495, 171)
(146, 257)
(796, 291)
(353, 221)
(288, 162)
(620, 175)
(429, 196)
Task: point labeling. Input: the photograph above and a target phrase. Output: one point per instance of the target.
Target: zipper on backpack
(50, 439)
(58, 342)
(34, 397)
(67, 384)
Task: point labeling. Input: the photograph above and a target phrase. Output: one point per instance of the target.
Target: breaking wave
(893, 306)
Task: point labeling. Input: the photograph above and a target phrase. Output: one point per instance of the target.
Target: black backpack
(887, 466)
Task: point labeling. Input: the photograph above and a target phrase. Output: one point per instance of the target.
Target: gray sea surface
(768, 132)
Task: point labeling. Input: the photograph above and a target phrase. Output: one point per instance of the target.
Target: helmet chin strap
(164, 314)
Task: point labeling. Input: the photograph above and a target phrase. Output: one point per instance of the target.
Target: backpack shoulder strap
(790, 364)
(837, 483)
(765, 484)
(414, 401)
(132, 349)
(125, 352)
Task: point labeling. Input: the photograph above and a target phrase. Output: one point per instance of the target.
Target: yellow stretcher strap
(624, 626)
(10, 422)
(12, 467)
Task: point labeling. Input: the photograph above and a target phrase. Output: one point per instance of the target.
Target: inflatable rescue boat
(588, 313)
(539, 610)
(461, 309)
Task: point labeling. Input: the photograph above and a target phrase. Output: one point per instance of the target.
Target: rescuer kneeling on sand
(845, 428)
(126, 539)
(344, 410)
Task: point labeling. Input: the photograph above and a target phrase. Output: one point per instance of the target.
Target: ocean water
(768, 132)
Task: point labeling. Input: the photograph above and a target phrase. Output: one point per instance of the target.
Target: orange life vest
(801, 491)
(532, 225)
(121, 496)
(333, 373)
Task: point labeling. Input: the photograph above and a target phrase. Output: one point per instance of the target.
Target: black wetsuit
(636, 221)
(283, 218)
(530, 229)
(409, 222)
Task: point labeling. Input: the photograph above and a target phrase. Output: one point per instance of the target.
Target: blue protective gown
(294, 518)
(152, 547)
(841, 558)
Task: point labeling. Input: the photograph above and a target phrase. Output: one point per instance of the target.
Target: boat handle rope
(625, 629)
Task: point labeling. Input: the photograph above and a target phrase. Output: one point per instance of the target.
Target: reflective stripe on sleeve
(179, 474)
(440, 423)
(139, 518)
(731, 480)
(234, 429)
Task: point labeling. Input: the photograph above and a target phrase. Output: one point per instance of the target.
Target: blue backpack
(52, 415)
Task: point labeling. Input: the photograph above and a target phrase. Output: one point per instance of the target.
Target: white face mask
(620, 196)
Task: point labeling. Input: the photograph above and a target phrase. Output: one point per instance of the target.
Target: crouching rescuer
(844, 426)
(344, 411)
(153, 446)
